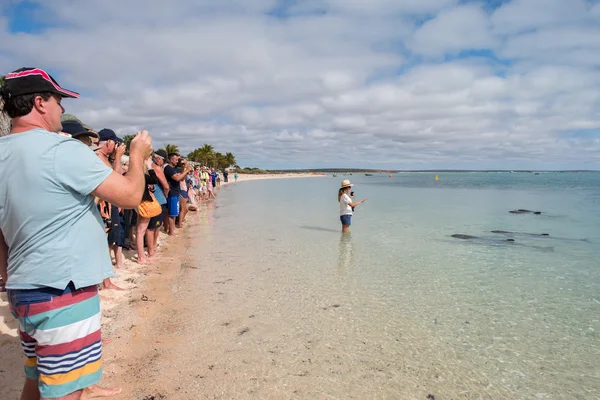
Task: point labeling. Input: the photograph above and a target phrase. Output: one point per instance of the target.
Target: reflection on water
(319, 228)
(346, 257)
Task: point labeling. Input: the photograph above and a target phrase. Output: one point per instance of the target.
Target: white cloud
(363, 77)
(564, 45)
(373, 7)
(521, 15)
(465, 27)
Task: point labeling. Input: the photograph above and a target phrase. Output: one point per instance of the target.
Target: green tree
(127, 140)
(219, 161)
(171, 148)
(5, 122)
(230, 160)
(194, 155)
(206, 154)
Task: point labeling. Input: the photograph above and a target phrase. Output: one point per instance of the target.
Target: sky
(390, 84)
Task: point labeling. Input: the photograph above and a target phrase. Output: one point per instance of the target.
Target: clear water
(401, 309)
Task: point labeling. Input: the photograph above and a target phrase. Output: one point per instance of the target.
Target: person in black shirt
(142, 223)
(173, 178)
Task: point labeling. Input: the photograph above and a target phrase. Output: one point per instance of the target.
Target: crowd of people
(70, 198)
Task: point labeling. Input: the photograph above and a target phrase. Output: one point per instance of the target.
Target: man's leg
(156, 233)
(173, 211)
(150, 240)
(119, 259)
(183, 211)
(61, 339)
(171, 226)
(30, 390)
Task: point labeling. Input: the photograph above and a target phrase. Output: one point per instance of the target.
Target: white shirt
(345, 208)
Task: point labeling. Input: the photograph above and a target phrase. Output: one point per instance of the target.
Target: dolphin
(492, 241)
(522, 211)
(540, 235)
(467, 237)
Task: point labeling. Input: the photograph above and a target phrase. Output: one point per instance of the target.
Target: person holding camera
(174, 177)
(183, 192)
(347, 205)
(53, 252)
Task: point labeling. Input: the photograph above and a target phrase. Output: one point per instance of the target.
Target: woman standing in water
(346, 205)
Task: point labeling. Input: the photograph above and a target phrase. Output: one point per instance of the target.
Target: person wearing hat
(111, 148)
(174, 176)
(346, 205)
(161, 190)
(79, 132)
(204, 177)
(52, 255)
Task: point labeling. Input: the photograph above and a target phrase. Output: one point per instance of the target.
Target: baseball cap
(76, 128)
(108, 134)
(161, 153)
(71, 117)
(28, 80)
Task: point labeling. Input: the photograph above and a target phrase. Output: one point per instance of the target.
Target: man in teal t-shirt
(53, 250)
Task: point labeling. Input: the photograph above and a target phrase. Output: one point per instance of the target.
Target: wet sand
(221, 325)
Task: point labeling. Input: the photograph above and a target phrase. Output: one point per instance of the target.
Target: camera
(352, 193)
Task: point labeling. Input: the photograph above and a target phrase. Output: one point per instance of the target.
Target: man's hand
(120, 150)
(141, 145)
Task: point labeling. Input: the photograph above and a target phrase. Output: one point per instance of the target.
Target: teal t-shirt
(48, 217)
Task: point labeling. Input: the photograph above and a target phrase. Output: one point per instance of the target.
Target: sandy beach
(146, 323)
(254, 177)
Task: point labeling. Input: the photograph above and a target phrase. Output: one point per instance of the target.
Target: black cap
(161, 153)
(75, 128)
(33, 80)
(108, 134)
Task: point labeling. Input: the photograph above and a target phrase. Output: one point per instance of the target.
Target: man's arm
(181, 176)
(125, 191)
(160, 175)
(3, 258)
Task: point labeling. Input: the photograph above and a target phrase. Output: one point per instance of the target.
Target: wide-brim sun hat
(346, 183)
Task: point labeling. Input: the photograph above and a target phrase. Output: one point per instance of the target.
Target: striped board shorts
(60, 334)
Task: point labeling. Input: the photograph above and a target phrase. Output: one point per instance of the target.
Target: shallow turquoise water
(465, 319)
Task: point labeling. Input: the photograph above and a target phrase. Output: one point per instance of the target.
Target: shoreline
(127, 320)
(256, 177)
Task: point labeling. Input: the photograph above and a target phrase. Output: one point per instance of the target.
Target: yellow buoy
(436, 178)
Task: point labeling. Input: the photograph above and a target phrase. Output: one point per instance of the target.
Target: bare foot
(119, 266)
(106, 341)
(95, 391)
(109, 285)
(144, 261)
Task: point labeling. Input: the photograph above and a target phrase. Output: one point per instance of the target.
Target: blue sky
(384, 84)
